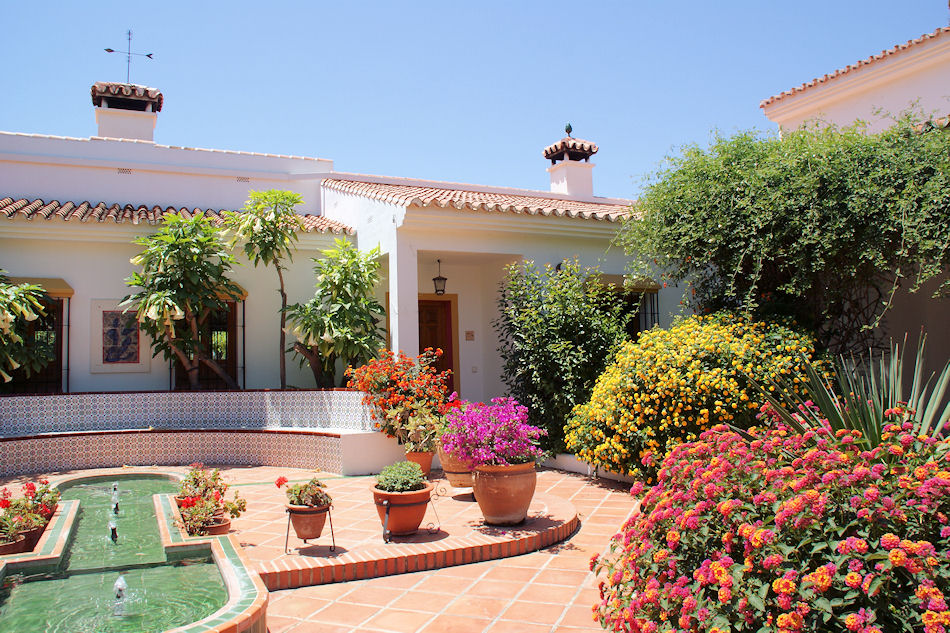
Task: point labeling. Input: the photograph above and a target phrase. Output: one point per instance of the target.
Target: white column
(404, 299)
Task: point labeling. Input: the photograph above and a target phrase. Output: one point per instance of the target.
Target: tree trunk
(319, 376)
(190, 366)
(216, 368)
(283, 323)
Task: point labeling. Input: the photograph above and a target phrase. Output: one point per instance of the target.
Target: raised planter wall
(321, 430)
(170, 410)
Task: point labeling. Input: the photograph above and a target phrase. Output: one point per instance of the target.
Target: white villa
(70, 207)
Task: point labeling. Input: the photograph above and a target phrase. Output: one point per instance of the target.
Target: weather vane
(129, 53)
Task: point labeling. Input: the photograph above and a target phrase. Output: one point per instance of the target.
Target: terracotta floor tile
(279, 624)
(507, 626)
(397, 621)
(320, 627)
(477, 606)
(579, 615)
(373, 595)
(423, 601)
(533, 612)
(444, 584)
(518, 574)
(496, 588)
(570, 577)
(296, 606)
(344, 613)
(553, 594)
(456, 624)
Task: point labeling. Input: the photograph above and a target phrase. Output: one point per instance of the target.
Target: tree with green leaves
(559, 328)
(822, 225)
(341, 321)
(268, 224)
(19, 305)
(183, 280)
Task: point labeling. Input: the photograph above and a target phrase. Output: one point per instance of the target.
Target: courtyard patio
(456, 574)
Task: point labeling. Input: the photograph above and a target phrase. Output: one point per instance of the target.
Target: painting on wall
(117, 343)
(120, 337)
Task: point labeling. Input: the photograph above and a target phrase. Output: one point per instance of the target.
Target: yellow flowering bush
(672, 384)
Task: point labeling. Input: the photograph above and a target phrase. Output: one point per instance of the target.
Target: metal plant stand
(287, 536)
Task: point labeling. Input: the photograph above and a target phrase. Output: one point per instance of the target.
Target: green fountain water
(160, 595)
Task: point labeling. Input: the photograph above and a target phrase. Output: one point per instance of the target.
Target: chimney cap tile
(106, 89)
(570, 148)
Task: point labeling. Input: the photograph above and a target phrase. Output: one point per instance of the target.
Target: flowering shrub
(671, 385)
(493, 434)
(786, 532)
(399, 388)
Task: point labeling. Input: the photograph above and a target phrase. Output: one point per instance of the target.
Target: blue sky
(457, 91)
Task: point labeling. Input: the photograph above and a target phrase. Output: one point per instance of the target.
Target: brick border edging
(303, 571)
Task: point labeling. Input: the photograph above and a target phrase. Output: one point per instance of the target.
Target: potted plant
(418, 427)
(502, 447)
(12, 540)
(35, 508)
(401, 495)
(204, 508)
(407, 397)
(308, 505)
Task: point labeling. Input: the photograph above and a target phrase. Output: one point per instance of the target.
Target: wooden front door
(435, 331)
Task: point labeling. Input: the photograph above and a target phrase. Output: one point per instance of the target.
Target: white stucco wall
(916, 76)
(94, 260)
(78, 170)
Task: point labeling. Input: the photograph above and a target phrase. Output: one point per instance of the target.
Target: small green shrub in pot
(401, 477)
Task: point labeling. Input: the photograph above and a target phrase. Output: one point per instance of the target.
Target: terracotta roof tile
(12, 209)
(942, 31)
(463, 199)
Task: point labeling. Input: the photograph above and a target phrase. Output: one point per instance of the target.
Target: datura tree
(19, 305)
(341, 321)
(268, 224)
(183, 280)
(822, 225)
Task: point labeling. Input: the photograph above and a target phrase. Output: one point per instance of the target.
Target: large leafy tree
(183, 280)
(341, 321)
(268, 224)
(559, 327)
(19, 305)
(819, 224)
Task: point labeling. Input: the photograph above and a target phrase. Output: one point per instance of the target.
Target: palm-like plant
(864, 396)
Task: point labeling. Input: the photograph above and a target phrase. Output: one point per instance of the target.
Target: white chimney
(126, 110)
(572, 175)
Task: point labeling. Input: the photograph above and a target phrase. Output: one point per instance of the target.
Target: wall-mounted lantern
(439, 282)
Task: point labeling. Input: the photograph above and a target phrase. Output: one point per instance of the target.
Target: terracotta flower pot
(504, 493)
(406, 509)
(423, 458)
(219, 527)
(33, 537)
(15, 547)
(455, 470)
(308, 521)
